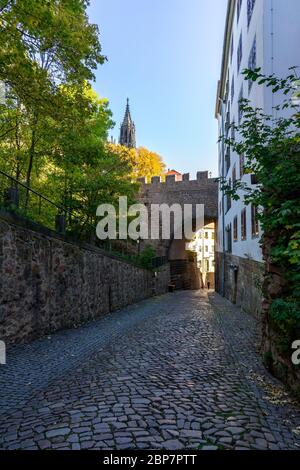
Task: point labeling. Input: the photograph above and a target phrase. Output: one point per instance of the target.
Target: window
(243, 225)
(227, 122)
(250, 7)
(231, 49)
(206, 234)
(240, 104)
(226, 90)
(206, 249)
(238, 9)
(241, 166)
(207, 265)
(228, 238)
(212, 235)
(234, 174)
(228, 198)
(227, 160)
(240, 52)
(232, 89)
(235, 229)
(232, 130)
(252, 62)
(254, 221)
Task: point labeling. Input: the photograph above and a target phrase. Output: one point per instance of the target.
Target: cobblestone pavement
(178, 371)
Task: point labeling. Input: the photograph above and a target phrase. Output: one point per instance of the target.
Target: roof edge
(226, 48)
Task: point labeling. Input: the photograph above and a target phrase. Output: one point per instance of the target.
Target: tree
(45, 45)
(76, 167)
(144, 162)
(149, 164)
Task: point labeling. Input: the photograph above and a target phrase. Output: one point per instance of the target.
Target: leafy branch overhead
(46, 44)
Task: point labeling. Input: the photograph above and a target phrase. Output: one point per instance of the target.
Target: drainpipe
(272, 50)
(223, 204)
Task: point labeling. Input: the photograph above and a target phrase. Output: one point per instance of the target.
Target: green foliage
(268, 359)
(271, 150)
(53, 126)
(45, 44)
(286, 316)
(47, 49)
(146, 257)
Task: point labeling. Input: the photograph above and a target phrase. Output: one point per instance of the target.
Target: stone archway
(204, 191)
(191, 268)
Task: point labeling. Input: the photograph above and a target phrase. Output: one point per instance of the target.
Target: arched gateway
(204, 191)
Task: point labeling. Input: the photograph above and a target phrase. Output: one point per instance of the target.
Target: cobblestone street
(173, 372)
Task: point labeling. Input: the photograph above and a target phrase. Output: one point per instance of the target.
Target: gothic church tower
(127, 131)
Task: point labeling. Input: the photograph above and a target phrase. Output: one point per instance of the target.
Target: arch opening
(192, 262)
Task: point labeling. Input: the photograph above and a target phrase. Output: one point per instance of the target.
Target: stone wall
(276, 345)
(48, 283)
(185, 274)
(243, 282)
(203, 190)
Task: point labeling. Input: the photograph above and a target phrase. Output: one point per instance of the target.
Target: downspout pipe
(223, 201)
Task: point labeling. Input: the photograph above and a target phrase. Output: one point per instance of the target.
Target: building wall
(274, 26)
(281, 42)
(204, 246)
(48, 283)
(243, 281)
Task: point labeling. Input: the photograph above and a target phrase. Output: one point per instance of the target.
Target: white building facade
(204, 245)
(265, 34)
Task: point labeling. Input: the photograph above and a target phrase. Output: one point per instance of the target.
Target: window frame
(240, 52)
(228, 198)
(252, 61)
(238, 9)
(244, 224)
(241, 164)
(234, 177)
(235, 229)
(250, 8)
(241, 97)
(229, 238)
(254, 221)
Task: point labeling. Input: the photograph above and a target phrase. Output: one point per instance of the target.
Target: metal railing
(27, 202)
(22, 200)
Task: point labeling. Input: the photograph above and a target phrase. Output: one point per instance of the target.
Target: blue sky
(165, 55)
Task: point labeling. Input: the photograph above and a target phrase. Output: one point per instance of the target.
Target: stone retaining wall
(48, 283)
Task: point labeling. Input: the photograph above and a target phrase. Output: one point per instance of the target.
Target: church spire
(127, 131)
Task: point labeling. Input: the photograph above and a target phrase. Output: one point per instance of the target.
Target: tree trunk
(18, 147)
(31, 157)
